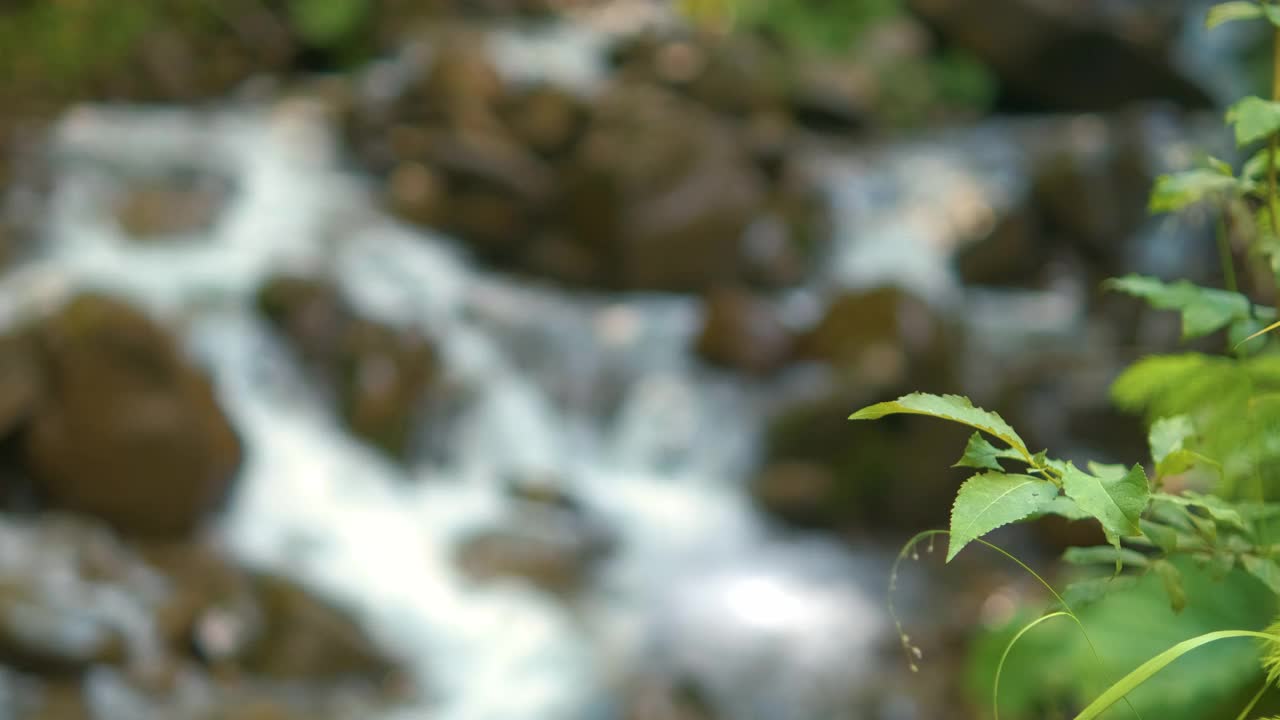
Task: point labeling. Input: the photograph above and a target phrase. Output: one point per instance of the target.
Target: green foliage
(1054, 667)
(1204, 310)
(992, 500)
(327, 23)
(1177, 191)
(1254, 119)
(1115, 500)
(948, 407)
(1229, 11)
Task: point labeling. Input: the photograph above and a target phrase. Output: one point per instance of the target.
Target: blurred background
(491, 359)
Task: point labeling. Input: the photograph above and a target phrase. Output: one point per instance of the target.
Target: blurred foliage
(913, 83)
(53, 50)
(1052, 672)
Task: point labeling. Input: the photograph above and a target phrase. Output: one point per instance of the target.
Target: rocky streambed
(476, 389)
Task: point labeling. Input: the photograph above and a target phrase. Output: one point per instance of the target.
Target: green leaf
(1167, 435)
(1265, 569)
(1230, 11)
(1177, 191)
(1104, 555)
(1086, 592)
(1256, 167)
(1254, 119)
(1173, 192)
(1172, 579)
(1063, 506)
(991, 500)
(1161, 536)
(983, 455)
(1115, 502)
(1204, 310)
(1218, 509)
(947, 407)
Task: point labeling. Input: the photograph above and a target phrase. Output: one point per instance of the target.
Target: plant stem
(1224, 251)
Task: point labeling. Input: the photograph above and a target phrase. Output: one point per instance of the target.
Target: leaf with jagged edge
(1204, 310)
(1231, 11)
(1254, 119)
(1117, 502)
(992, 500)
(955, 408)
(1063, 507)
(982, 455)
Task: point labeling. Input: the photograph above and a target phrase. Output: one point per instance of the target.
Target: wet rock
(821, 470)
(381, 375)
(21, 385)
(72, 597)
(1094, 190)
(1051, 54)
(127, 429)
(304, 638)
(418, 194)
(661, 194)
(1014, 253)
(167, 208)
(546, 119)
(800, 493)
(547, 539)
(742, 332)
(880, 338)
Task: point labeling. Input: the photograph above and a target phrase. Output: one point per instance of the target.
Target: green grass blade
(1149, 668)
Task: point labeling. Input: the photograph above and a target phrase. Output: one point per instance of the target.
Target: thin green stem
(1244, 714)
(1224, 252)
(995, 690)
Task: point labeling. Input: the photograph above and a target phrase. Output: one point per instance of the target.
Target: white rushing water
(599, 393)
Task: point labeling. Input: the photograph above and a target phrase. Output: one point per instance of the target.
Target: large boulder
(1067, 55)
(661, 194)
(126, 428)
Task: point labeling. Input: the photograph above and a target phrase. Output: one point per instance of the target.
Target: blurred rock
(161, 209)
(546, 119)
(661, 194)
(881, 338)
(1064, 55)
(381, 375)
(742, 332)
(127, 429)
(21, 384)
(822, 470)
(547, 539)
(304, 638)
(1013, 253)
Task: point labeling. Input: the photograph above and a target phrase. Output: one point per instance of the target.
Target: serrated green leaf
(1171, 577)
(983, 455)
(1086, 592)
(1204, 310)
(1177, 191)
(1254, 119)
(1265, 569)
(947, 407)
(1115, 502)
(991, 500)
(1105, 555)
(1231, 11)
